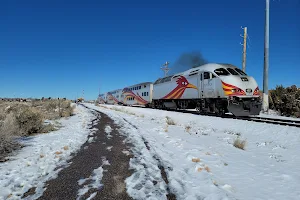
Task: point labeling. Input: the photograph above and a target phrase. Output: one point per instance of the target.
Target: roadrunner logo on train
(210, 88)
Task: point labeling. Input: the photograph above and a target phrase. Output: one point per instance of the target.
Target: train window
(177, 76)
(206, 75)
(140, 87)
(221, 72)
(157, 81)
(147, 94)
(195, 72)
(232, 71)
(145, 86)
(240, 72)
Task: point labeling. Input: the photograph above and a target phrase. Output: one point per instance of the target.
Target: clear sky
(59, 48)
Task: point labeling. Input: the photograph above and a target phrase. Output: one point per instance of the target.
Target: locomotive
(210, 88)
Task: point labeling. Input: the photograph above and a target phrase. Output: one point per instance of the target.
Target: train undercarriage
(219, 106)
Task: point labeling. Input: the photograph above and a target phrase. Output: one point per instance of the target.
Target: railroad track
(282, 122)
(268, 120)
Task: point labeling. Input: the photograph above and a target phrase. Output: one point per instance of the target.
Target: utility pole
(244, 49)
(266, 60)
(165, 68)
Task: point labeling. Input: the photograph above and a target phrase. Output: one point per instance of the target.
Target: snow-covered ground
(37, 162)
(200, 160)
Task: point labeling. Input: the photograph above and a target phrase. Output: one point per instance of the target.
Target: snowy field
(43, 157)
(200, 160)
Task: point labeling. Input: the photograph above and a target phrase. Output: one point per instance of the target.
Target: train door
(208, 85)
(200, 86)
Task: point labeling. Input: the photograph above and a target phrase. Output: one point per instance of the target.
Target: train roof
(206, 67)
(144, 83)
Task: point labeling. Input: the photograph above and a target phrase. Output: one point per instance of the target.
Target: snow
(109, 148)
(95, 181)
(43, 157)
(200, 160)
(108, 130)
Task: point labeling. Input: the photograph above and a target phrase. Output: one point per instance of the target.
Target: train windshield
(222, 72)
(232, 71)
(240, 72)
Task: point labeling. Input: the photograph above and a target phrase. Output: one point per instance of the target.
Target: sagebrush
(27, 118)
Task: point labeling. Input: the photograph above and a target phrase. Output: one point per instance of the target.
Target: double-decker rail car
(102, 98)
(114, 97)
(215, 88)
(138, 94)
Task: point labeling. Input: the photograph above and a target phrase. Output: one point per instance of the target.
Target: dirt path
(90, 157)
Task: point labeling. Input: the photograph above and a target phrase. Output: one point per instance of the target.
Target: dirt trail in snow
(89, 158)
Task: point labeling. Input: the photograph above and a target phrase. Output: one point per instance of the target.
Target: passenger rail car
(102, 98)
(138, 95)
(114, 97)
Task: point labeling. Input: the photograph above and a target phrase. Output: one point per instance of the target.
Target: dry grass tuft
(240, 144)
(225, 164)
(188, 128)
(196, 160)
(58, 152)
(66, 148)
(199, 169)
(142, 116)
(170, 121)
(207, 153)
(166, 129)
(207, 169)
(42, 156)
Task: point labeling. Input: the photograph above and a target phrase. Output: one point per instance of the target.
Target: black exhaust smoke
(187, 61)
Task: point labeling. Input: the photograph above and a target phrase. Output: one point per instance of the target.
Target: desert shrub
(51, 105)
(285, 100)
(66, 109)
(8, 131)
(238, 143)
(29, 121)
(47, 128)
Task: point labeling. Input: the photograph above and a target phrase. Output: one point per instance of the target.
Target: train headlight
(233, 90)
(256, 91)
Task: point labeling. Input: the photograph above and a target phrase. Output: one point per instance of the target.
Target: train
(210, 88)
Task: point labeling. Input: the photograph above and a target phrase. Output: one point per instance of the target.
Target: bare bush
(238, 143)
(51, 105)
(8, 131)
(29, 121)
(24, 119)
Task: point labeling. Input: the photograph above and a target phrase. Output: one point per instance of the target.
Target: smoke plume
(187, 61)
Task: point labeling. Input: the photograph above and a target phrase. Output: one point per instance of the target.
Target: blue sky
(59, 48)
